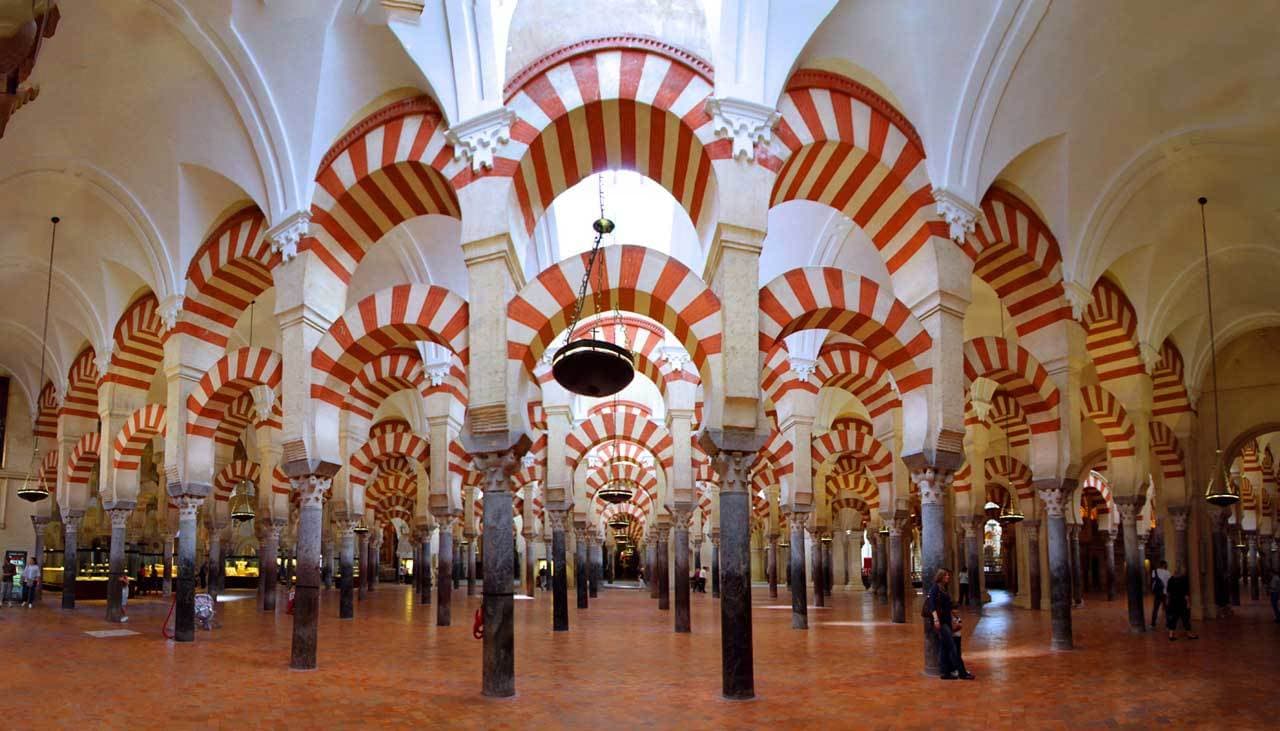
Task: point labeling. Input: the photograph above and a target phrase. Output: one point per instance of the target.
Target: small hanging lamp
(361, 528)
(591, 366)
(33, 489)
(1221, 490)
(617, 491)
(241, 503)
(619, 522)
(1009, 514)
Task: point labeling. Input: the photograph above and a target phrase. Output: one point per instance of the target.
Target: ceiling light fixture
(1221, 490)
(33, 488)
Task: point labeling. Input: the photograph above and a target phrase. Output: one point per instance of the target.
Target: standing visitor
(964, 587)
(30, 582)
(1177, 604)
(937, 606)
(1159, 582)
(10, 573)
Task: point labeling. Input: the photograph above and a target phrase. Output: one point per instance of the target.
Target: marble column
(771, 565)
(1033, 561)
(680, 533)
(1251, 541)
(168, 564)
(580, 566)
(530, 575)
(737, 663)
(1009, 557)
(1055, 497)
(499, 669)
(470, 550)
(268, 570)
(932, 480)
(1178, 519)
(1233, 566)
(184, 613)
(593, 577)
(374, 547)
(346, 567)
(444, 571)
(799, 599)
(326, 558)
(214, 560)
(1129, 508)
(115, 587)
(427, 583)
(38, 523)
(362, 562)
(559, 583)
(853, 554)
(973, 528)
(651, 562)
(819, 573)
(664, 568)
(1077, 570)
(1109, 545)
(715, 566)
(311, 489)
(893, 571)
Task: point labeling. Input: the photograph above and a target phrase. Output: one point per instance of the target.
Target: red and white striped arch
(1095, 493)
(1168, 383)
(841, 144)
(866, 448)
(83, 458)
(49, 471)
(392, 485)
(1012, 470)
(777, 379)
(229, 270)
(832, 299)
(1251, 471)
(389, 444)
(621, 426)
(139, 345)
(1099, 405)
(1165, 444)
(617, 103)
(385, 321)
(1111, 327)
(395, 506)
(1015, 252)
(630, 471)
(82, 387)
(233, 474)
(389, 426)
(857, 505)
(850, 367)
(391, 166)
(238, 415)
(46, 425)
(1020, 375)
(636, 279)
(1007, 414)
(397, 370)
(227, 380)
(859, 484)
(141, 426)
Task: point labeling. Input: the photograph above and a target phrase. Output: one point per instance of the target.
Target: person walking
(938, 608)
(30, 582)
(964, 587)
(1159, 582)
(1178, 607)
(1274, 589)
(8, 575)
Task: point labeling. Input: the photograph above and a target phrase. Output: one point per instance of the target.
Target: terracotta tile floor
(621, 666)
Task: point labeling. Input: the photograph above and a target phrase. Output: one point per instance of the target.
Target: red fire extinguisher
(477, 628)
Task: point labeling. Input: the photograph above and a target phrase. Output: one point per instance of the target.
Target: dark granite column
(38, 523)
(425, 567)
(559, 569)
(697, 553)
(1008, 557)
(530, 574)
(932, 480)
(362, 561)
(771, 565)
(213, 583)
(184, 612)
(1234, 554)
(593, 574)
(799, 599)
(827, 570)
(664, 567)
(1109, 547)
(374, 547)
(1129, 507)
(580, 566)
(499, 669)
(1032, 527)
(311, 486)
(883, 564)
(680, 532)
(1221, 550)
(715, 566)
(269, 570)
(470, 550)
(119, 515)
(346, 567)
(819, 573)
(1251, 541)
(1056, 498)
(1178, 520)
(168, 565)
(1077, 570)
(651, 561)
(737, 664)
(897, 586)
(973, 530)
(444, 570)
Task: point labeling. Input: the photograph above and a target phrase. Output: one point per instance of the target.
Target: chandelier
(33, 488)
(361, 528)
(241, 503)
(590, 366)
(1009, 514)
(619, 522)
(1221, 490)
(617, 491)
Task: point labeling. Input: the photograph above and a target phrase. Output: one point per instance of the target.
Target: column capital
(1055, 495)
(961, 215)
(71, 520)
(931, 477)
(798, 521)
(680, 514)
(898, 522)
(1178, 516)
(39, 521)
(748, 124)
(478, 139)
(1073, 531)
(344, 527)
(1218, 518)
(188, 505)
(119, 517)
(1129, 507)
(287, 234)
(557, 518)
(311, 489)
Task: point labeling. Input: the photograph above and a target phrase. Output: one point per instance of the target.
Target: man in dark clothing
(1177, 607)
(937, 605)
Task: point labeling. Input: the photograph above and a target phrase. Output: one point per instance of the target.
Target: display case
(93, 574)
(241, 572)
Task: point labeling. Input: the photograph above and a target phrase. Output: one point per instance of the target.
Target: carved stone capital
(802, 367)
(311, 489)
(798, 521)
(1079, 296)
(747, 123)
(1055, 496)
(932, 483)
(735, 470)
(496, 469)
(264, 401)
(680, 515)
(1218, 518)
(436, 373)
(286, 235)
(188, 505)
(898, 523)
(557, 519)
(119, 517)
(477, 140)
(1129, 507)
(960, 215)
(1178, 516)
(170, 308)
(102, 358)
(344, 528)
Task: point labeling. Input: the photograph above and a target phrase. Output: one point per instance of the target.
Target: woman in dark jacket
(1178, 607)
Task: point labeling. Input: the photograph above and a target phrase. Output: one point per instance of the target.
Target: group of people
(1173, 592)
(946, 624)
(698, 580)
(31, 577)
